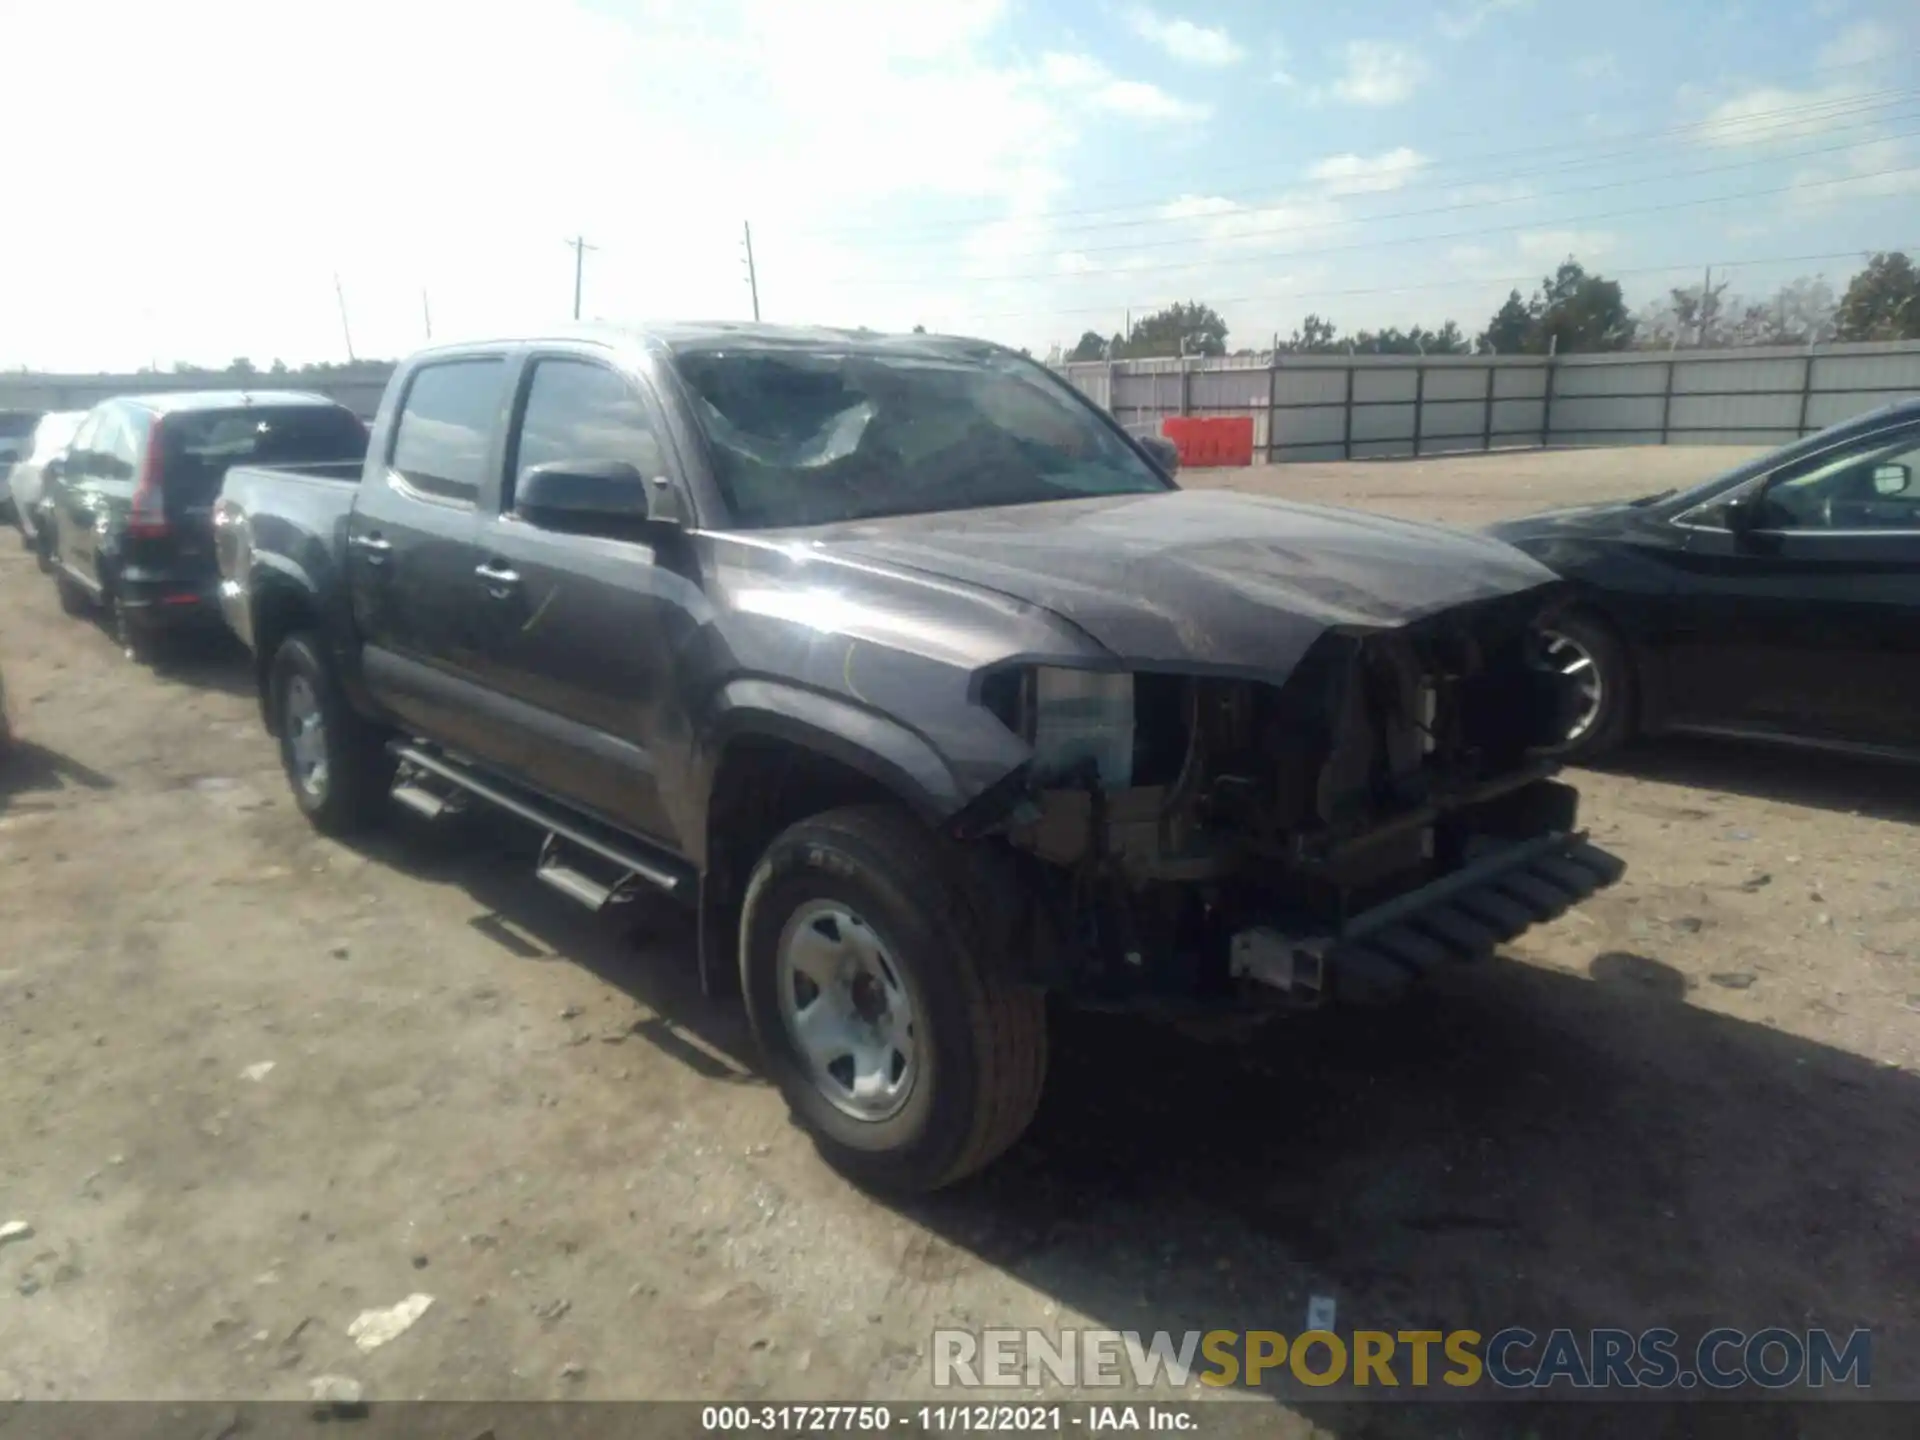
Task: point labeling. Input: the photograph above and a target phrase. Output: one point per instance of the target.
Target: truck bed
(296, 512)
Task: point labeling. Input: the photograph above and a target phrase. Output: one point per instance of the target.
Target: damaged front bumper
(1376, 955)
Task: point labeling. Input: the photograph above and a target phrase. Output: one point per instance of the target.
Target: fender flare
(887, 752)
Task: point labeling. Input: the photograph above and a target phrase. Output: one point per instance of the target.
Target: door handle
(499, 580)
(373, 547)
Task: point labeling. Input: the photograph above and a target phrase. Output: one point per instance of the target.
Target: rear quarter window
(446, 426)
(199, 447)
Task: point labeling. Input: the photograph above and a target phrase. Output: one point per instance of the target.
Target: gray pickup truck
(925, 685)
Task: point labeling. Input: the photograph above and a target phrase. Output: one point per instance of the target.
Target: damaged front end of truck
(1212, 840)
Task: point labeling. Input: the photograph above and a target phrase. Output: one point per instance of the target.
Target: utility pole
(341, 295)
(753, 279)
(580, 248)
(1706, 299)
(426, 313)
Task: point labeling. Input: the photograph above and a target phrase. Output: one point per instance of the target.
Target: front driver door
(1808, 624)
(584, 630)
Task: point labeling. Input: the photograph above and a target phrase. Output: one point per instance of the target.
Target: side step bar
(1466, 915)
(568, 838)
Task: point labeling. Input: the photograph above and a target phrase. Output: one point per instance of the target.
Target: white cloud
(1867, 42)
(1277, 227)
(1550, 247)
(1873, 170)
(870, 203)
(1367, 175)
(1184, 40)
(1087, 82)
(1377, 73)
(1459, 24)
(1771, 115)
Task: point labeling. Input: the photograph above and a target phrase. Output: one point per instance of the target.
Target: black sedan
(1780, 601)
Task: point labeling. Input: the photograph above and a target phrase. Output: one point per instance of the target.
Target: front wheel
(1592, 664)
(880, 1003)
(335, 761)
(134, 633)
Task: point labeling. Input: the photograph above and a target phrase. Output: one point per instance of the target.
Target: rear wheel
(134, 632)
(74, 598)
(875, 991)
(1591, 661)
(335, 761)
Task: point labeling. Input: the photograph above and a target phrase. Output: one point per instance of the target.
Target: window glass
(808, 437)
(440, 446)
(577, 410)
(1873, 487)
(54, 434)
(198, 447)
(117, 446)
(80, 454)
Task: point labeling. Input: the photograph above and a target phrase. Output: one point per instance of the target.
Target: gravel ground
(257, 1082)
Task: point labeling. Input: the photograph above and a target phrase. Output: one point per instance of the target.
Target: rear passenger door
(100, 497)
(410, 548)
(60, 490)
(583, 629)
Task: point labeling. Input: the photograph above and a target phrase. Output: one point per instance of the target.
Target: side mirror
(582, 492)
(1165, 453)
(1742, 513)
(1891, 479)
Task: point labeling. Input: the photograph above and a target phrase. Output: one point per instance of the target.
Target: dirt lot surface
(256, 1083)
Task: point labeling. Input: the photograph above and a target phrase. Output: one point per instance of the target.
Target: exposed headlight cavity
(1082, 716)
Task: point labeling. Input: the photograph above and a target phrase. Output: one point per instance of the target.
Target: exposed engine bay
(1176, 824)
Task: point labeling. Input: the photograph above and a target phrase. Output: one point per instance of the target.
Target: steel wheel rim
(848, 1011)
(1577, 668)
(306, 734)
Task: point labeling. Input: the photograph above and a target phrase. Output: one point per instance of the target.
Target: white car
(49, 443)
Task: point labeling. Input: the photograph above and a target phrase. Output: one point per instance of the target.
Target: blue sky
(1011, 168)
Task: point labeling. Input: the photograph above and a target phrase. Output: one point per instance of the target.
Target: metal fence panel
(1718, 377)
(1584, 380)
(1372, 385)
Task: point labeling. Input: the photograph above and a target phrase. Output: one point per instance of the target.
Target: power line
(1752, 127)
(1254, 212)
(1323, 191)
(1218, 262)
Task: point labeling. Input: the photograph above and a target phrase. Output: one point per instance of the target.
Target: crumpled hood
(1204, 579)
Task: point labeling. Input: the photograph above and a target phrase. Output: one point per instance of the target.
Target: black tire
(74, 598)
(980, 1039)
(351, 793)
(137, 638)
(1586, 637)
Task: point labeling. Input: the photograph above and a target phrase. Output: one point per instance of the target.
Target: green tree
(241, 366)
(1883, 301)
(1180, 329)
(1090, 347)
(1577, 311)
(919, 329)
(1512, 323)
(1316, 335)
(1571, 311)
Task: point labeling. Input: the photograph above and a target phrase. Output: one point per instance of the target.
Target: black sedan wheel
(1592, 664)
